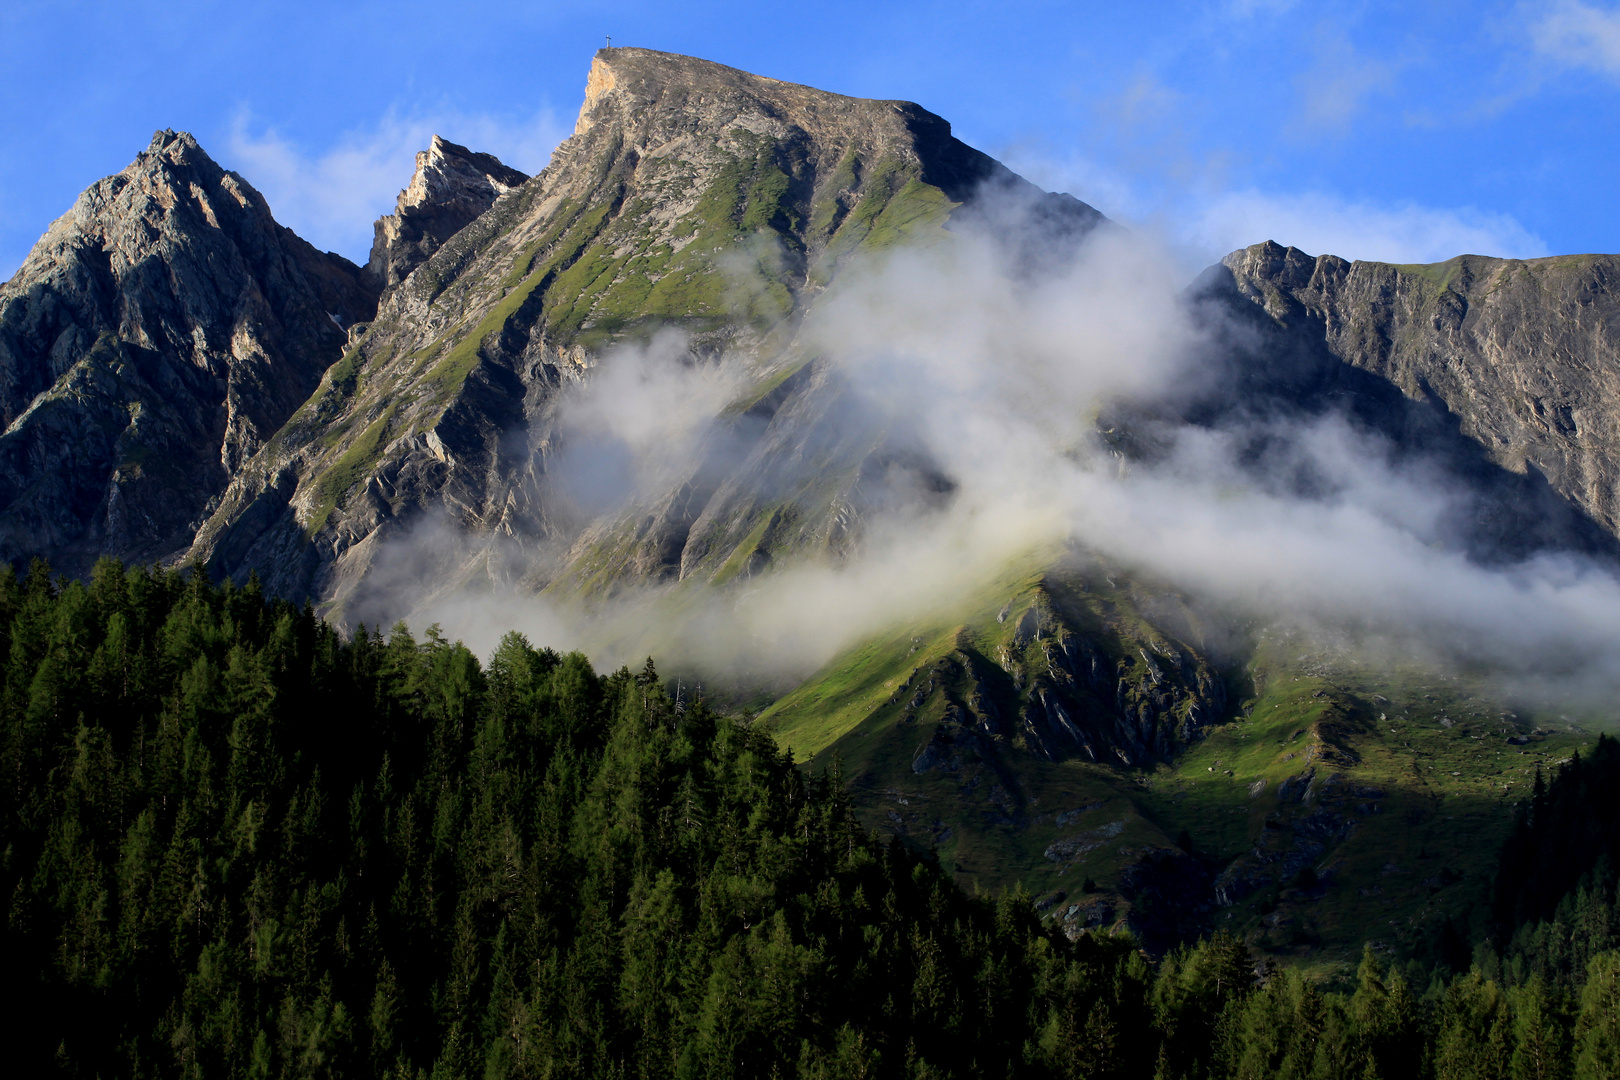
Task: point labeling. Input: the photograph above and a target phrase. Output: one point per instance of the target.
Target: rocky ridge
(451, 186)
(159, 332)
(970, 739)
(1506, 370)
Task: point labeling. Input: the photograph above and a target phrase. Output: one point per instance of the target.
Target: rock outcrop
(156, 336)
(452, 186)
(1504, 373)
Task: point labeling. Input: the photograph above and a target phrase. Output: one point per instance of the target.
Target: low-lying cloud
(1325, 224)
(998, 381)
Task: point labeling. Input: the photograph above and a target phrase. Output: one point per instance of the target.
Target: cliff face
(157, 334)
(1504, 371)
(452, 186)
(691, 196)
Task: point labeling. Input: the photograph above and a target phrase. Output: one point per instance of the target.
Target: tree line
(235, 843)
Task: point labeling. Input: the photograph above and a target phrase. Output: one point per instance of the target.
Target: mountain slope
(156, 336)
(1189, 772)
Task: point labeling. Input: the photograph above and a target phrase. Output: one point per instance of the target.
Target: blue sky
(1377, 130)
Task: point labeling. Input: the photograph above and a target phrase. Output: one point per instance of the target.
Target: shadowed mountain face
(1504, 373)
(156, 336)
(691, 197)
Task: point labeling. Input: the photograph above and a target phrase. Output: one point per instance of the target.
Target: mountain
(1129, 752)
(692, 197)
(159, 332)
(1128, 757)
(185, 380)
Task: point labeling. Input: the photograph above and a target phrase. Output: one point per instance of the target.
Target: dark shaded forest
(235, 843)
(1554, 902)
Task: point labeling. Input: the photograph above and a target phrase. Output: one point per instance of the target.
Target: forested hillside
(237, 844)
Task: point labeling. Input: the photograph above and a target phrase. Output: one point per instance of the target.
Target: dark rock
(1072, 847)
(1295, 788)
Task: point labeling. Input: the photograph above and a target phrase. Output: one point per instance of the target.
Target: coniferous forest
(235, 843)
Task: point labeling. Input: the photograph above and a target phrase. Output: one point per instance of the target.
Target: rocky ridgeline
(1504, 372)
(452, 186)
(159, 332)
(1066, 680)
(1059, 675)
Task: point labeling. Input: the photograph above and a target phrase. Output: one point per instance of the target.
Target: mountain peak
(165, 136)
(635, 79)
(678, 166)
(447, 172)
(452, 185)
(158, 333)
(647, 90)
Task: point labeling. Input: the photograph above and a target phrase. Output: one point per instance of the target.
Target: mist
(1002, 383)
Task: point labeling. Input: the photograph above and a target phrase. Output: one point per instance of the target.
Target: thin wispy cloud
(331, 195)
(1334, 91)
(1205, 219)
(1323, 223)
(1579, 35)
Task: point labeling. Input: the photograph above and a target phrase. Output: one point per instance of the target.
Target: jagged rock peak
(452, 186)
(447, 174)
(1269, 259)
(663, 95)
(157, 334)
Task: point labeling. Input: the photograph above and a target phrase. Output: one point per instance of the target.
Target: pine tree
(1597, 1032)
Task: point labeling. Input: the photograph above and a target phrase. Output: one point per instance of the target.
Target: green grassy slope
(1328, 805)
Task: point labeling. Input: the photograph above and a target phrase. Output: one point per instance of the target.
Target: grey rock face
(156, 336)
(1504, 372)
(452, 186)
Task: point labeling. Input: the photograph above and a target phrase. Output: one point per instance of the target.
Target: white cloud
(1202, 222)
(1321, 223)
(1580, 35)
(996, 383)
(331, 196)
